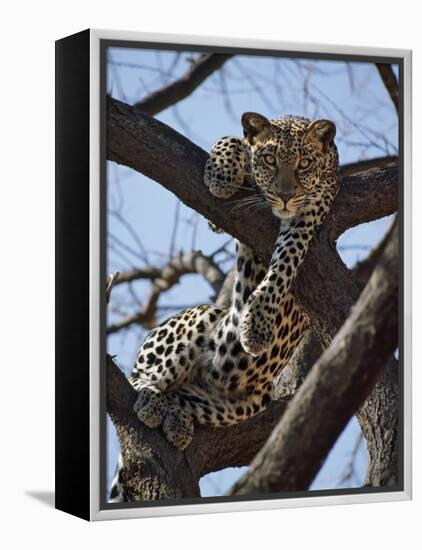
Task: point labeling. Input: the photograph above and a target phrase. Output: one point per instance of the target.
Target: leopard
(216, 366)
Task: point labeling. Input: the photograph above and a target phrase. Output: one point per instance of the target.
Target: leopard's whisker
(260, 203)
(248, 202)
(243, 187)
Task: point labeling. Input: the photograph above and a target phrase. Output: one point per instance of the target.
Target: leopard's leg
(249, 272)
(151, 405)
(225, 168)
(168, 358)
(224, 371)
(230, 388)
(191, 403)
(259, 315)
(224, 175)
(178, 425)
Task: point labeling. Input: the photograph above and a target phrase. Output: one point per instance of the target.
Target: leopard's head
(293, 162)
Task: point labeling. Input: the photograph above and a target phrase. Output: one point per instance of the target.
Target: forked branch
(337, 385)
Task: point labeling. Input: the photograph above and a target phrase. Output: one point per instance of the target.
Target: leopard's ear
(255, 127)
(321, 133)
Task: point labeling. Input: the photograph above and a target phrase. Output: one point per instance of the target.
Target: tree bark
(162, 154)
(154, 469)
(337, 385)
(151, 467)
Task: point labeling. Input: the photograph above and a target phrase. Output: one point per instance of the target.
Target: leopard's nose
(286, 196)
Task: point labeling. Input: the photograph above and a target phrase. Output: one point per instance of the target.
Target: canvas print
(252, 257)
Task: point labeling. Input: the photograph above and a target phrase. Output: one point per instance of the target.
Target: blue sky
(350, 94)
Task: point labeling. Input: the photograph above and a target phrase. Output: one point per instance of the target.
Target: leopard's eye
(269, 159)
(304, 163)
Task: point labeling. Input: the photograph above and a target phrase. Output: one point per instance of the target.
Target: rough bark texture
(379, 420)
(337, 385)
(363, 165)
(152, 468)
(162, 154)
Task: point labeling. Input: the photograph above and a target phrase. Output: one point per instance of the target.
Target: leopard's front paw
(225, 167)
(178, 427)
(150, 406)
(255, 332)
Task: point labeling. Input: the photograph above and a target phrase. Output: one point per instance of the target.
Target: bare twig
(163, 279)
(110, 283)
(390, 82)
(201, 69)
(132, 232)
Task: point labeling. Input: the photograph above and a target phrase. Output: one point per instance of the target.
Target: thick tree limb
(164, 155)
(363, 165)
(154, 469)
(367, 164)
(337, 385)
(151, 466)
(379, 415)
(210, 450)
(201, 69)
(390, 82)
(379, 420)
(328, 281)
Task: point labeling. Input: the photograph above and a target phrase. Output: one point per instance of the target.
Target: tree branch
(201, 69)
(390, 82)
(110, 283)
(162, 154)
(164, 279)
(363, 165)
(211, 449)
(181, 264)
(151, 466)
(337, 385)
(363, 269)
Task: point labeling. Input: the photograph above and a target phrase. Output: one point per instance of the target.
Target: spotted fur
(216, 366)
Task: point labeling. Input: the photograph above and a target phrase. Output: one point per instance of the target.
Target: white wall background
(27, 274)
